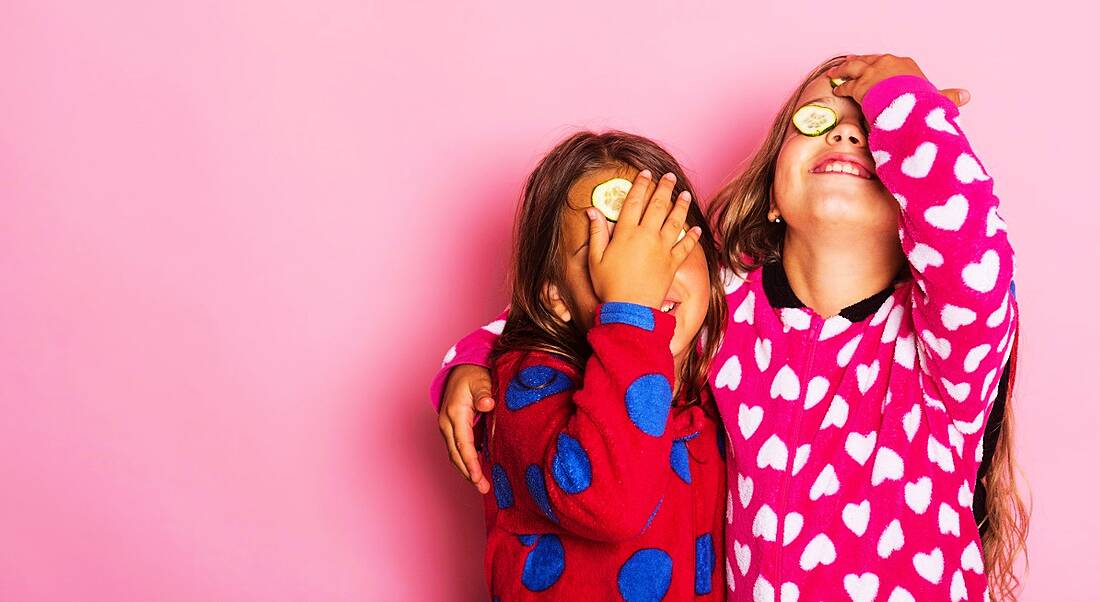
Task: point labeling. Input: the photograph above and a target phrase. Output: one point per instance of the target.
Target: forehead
(580, 193)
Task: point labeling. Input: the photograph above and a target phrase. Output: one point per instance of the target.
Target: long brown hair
(739, 212)
(538, 256)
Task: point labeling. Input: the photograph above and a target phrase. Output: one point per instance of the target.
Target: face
(815, 190)
(690, 290)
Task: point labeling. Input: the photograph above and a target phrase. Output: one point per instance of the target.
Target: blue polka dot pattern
(645, 576)
(721, 439)
(679, 460)
(648, 400)
(502, 488)
(1012, 288)
(571, 468)
(544, 564)
(617, 312)
(652, 516)
(536, 485)
(533, 384)
(704, 563)
(526, 540)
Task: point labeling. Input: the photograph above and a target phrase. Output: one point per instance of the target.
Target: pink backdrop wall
(238, 236)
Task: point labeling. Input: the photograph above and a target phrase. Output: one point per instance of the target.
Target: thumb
(959, 96)
(598, 235)
(483, 401)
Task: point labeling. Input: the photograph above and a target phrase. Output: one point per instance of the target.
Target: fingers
(635, 202)
(851, 69)
(659, 205)
(676, 220)
(599, 235)
(959, 96)
(687, 244)
(448, 435)
(467, 452)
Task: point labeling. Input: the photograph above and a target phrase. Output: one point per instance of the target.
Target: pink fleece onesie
(856, 445)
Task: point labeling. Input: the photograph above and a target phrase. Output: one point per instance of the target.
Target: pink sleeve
(964, 316)
(471, 349)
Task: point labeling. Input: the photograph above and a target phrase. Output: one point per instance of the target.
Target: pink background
(237, 237)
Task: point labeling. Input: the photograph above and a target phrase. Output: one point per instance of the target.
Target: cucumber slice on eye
(814, 120)
(836, 81)
(608, 197)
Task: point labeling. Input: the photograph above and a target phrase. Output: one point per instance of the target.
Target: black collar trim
(780, 294)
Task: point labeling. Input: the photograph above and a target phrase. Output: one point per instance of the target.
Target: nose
(849, 132)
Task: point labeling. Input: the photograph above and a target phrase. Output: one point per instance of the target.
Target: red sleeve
(589, 453)
(471, 349)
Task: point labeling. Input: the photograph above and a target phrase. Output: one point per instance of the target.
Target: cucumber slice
(814, 120)
(836, 81)
(608, 197)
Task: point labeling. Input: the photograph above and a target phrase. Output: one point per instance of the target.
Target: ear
(551, 296)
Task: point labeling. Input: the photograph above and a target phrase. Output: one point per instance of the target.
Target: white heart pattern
(820, 550)
(861, 588)
(959, 392)
(834, 326)
(910, 422)
(942, 346)
(982, 276)
(765, 523)
(893, 324)
(495, 327)
(762, 591)
(900, 594)
(922, 256)
(950, 216)
(743, 555)
(788, 593)
(800, 456)
(749, 419)
(918, 494)
(888, 465)
(792, 526)
(930, 565)
(450, 355)
(859, 447)
(772, 454)
(949, 520)
(955, 317)
(744, 490)
(744, 312)
(891, 540)
(837, 414)
(958, 587)
(972, 559)
(966, 496)
(894, 116)
(967, 169)
(881, 157)
(905, 351)
(815, 391)
(825, 484)
(937, 120)
(763, 352)
(785, 384)
(975, 356)
(847, 351)
(940, 455)
(856, 517)
(729, 377)
(866, 377)
(795, 318)
(919, 164)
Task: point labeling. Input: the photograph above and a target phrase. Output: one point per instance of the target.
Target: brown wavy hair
(538, 254)
(739, 212)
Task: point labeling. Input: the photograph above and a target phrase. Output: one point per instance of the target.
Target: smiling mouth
(844, 168)
(669, 306)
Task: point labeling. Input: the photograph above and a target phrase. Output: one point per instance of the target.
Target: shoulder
(525, 373)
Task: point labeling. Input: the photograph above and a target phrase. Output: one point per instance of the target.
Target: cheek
(696, 278)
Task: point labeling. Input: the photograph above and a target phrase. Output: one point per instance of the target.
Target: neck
(829, 275)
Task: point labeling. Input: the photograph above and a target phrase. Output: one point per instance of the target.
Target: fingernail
(686, 196)
(645, 173)
(964, 96)
(590, 212)
(671, 177)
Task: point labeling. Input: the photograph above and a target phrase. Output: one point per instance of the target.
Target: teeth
(667, 307)
(841, 167)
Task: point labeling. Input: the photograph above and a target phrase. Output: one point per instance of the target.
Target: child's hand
(468, 392)
(864, 71)
(638, 264)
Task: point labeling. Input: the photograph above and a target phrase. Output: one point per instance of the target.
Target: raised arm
(964, 314)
